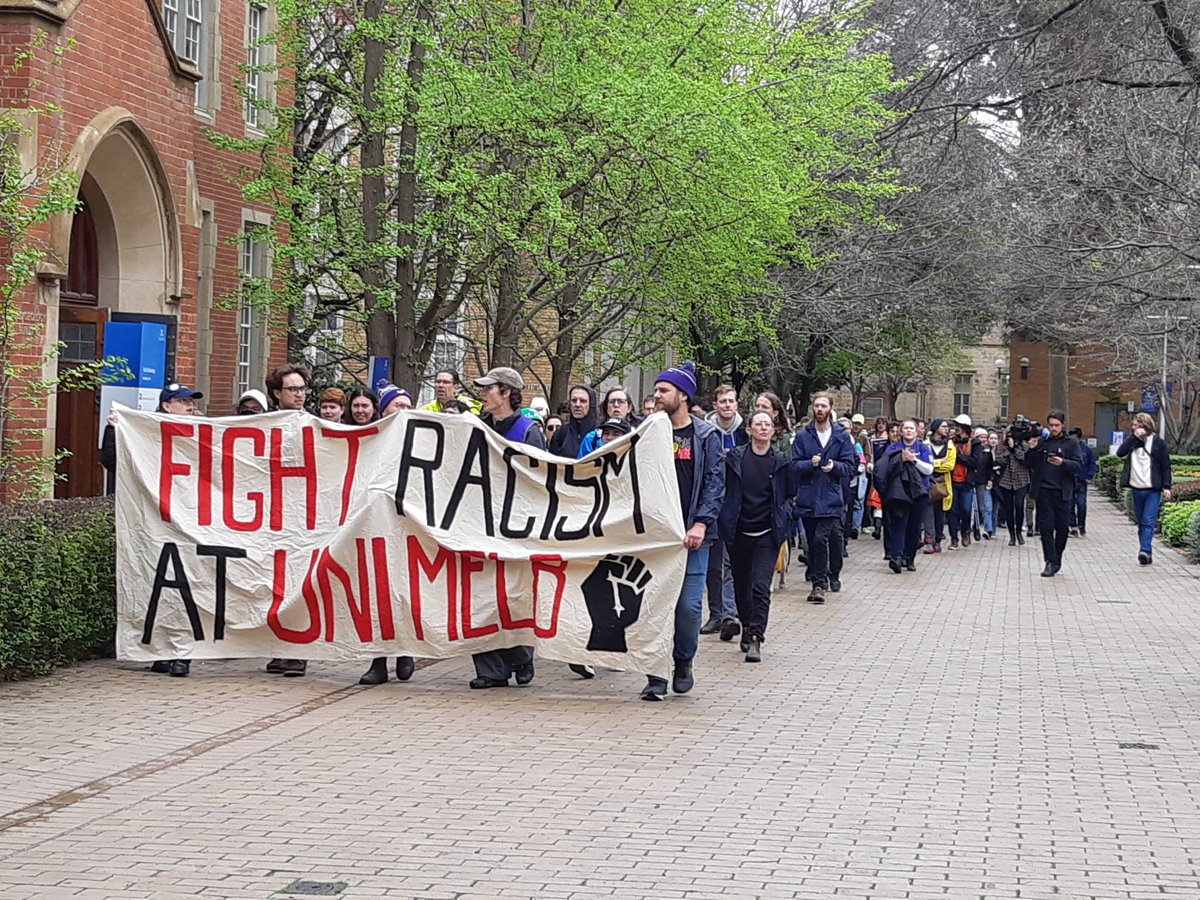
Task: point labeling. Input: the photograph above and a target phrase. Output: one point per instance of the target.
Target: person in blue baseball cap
(178, 399)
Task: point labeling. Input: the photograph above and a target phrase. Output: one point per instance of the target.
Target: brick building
(156, 235)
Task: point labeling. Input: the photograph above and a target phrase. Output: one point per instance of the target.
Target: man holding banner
(700, 473)
(501, 391)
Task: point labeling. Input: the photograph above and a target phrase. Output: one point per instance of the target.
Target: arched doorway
(122, 260)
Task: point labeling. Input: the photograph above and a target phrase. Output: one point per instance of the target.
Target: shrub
(1185, 490)
(1193, 537)
(57, 584)
(1108, 470)
(1175, 519)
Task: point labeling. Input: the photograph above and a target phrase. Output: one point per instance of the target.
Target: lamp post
(1162, 400)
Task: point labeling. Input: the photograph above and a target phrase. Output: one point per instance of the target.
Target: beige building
(979, 388)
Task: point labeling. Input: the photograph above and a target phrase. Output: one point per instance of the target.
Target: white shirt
(824, 436)
(1139, 465)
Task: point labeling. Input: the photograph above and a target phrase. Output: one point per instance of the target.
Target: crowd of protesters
(757, 494)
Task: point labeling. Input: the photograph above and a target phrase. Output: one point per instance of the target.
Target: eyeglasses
(617, 401)
(296, 390)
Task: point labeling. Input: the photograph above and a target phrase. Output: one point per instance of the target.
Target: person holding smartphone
(1147, 474)
(1054, 461)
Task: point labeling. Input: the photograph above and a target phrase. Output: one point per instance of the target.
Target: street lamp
(1162, 405)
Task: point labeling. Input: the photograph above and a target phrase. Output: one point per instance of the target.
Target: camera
(1022, 430)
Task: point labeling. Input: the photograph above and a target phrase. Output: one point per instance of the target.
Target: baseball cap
(174, 391)
(858, 419)
(616, 425)
(502, 375)
(962, 419)
(257, 396)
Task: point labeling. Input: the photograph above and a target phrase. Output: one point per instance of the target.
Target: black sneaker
(894, 564)
(909, 565)
(294, 668)
(754, 651)
(275, 667)
(582, 671)
(744, 643)
(405, 666)
(523, 673)
(834, 585)
(162, 666)
(682, 682)
(730, 629)
(1143, 558)
(712, 626)
(655, 689)
(181, 668)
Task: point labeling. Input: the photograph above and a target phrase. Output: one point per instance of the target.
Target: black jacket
(570, 435)
(1160, 461)
(1048, 477)
(782, 485)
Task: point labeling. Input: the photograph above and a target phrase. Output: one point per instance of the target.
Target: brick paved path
(953, 733)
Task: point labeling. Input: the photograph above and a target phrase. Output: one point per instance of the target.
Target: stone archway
(134, 236)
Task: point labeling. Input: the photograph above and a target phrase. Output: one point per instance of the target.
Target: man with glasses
(447, 387)
(287, 387)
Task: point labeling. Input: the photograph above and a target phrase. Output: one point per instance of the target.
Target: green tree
(584, 176)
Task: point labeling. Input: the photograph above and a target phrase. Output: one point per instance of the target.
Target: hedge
(1174, 520)
(57, 584)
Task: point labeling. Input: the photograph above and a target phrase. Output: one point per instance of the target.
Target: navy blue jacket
(819, 494)
(1088, 472)
(783, 486)
(708, 483)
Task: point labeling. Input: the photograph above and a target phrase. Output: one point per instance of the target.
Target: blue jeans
(1079, 508)
(689, 610)
(721, 603)
(960, 511)
(983, 502)
(1146, 504)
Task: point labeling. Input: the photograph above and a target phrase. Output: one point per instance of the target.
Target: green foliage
(1174, 519)
(1185, 490)
(1108, 472)
(57, 584)
(585, 177)
(1193, 537)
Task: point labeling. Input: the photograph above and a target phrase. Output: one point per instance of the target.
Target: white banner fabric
(424, 535)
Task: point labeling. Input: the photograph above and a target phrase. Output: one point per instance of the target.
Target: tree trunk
(381, 328)
(412, 345)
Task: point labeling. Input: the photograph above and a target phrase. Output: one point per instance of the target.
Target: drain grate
(315, 888)
(1136, 745)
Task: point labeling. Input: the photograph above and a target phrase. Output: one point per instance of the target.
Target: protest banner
(423, 534)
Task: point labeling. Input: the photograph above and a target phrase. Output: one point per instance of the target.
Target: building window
(188, 40)
(872, 407)
(962, 395)
(256, 78)
(449, 352)
(1004, 407)
(250, 372)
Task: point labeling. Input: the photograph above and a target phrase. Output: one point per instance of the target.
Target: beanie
(389, 393)
(682, 376)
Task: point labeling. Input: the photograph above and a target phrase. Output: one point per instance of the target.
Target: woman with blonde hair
(1147, 474)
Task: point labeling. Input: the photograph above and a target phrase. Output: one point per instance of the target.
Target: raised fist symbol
(613, 594)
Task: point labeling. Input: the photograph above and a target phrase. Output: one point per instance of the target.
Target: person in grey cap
(501, 411)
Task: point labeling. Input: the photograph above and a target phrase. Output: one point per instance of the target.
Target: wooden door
(77, 423)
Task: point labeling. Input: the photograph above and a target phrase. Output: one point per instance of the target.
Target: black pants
(1012, 501)
(902, 531)
(1053, 518)
(824, 548)
(500, 663)
(753, 563)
